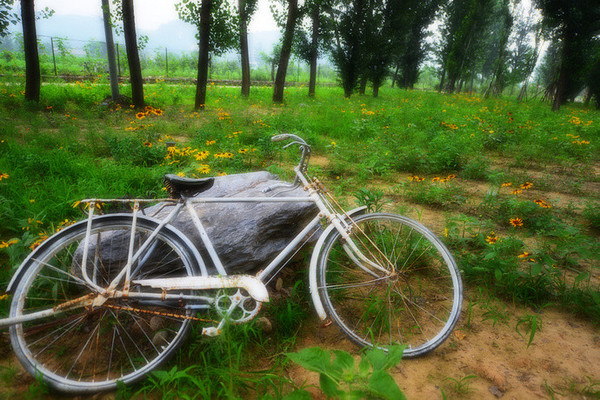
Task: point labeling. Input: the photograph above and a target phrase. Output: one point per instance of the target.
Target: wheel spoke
(418, 305)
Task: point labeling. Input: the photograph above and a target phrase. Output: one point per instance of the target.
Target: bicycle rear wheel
(415, 301)
(89, 350)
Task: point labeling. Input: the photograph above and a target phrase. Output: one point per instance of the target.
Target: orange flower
(506, 184)
(491, 239)
(140, 115)
(542, 203)
(516, 191)
(516, 222)
(526, 185)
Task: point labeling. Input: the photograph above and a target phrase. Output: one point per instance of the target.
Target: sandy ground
(487, 360)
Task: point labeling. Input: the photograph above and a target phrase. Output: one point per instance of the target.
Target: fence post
(167, 60)
(53, 57)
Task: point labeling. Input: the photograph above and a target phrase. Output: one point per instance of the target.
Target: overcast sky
(149, 14)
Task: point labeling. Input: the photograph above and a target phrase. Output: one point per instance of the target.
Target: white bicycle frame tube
(335, 220)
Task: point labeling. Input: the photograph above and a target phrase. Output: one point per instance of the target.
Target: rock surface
(245, 235)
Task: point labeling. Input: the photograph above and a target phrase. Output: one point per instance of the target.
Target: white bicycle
(110, 298)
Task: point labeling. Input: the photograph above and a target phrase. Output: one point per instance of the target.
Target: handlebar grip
(279, 138)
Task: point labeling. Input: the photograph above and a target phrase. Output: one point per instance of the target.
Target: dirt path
(484, 359)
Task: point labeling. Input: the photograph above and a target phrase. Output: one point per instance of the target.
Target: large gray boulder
(245, 235)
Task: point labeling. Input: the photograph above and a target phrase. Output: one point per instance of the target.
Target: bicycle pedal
(211, 331)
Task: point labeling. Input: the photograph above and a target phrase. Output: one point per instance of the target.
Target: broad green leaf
(377, 358)
(313, 359)
(498, 274)
(363, 368)
(328, 386)
(394, 355)
(342, 361)
(382, 384)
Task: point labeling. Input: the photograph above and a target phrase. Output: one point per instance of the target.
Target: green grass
(366, 150)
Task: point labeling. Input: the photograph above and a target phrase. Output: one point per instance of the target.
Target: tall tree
(32, 60)
(286, 51)
(348, 24)
(465, 24)
(110, 51)
(7, 16)
(217, 33)
(525, 46)
(203, 54)
(245, 9)
(573, 23)
(410, 21)
(503, 21)
(133, 57)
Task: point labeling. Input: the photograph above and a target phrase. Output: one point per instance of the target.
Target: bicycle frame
(254, 285)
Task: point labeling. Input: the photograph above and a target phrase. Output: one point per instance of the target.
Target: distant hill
(177, 36)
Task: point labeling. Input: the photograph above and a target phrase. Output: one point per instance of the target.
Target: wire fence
(80, 59)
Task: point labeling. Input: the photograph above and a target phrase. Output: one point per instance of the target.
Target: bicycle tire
(85, 350)
(418, 306)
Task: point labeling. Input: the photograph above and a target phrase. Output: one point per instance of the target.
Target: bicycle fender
(314, 262)
(20, 272)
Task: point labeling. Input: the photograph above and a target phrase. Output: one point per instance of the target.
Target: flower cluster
(223, 155)
(4, 244)
(542, 203)
(415, 178)
(148, 110)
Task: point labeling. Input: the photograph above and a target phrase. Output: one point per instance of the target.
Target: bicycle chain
(165, 314)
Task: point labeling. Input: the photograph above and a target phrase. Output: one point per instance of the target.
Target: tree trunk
(203, 54)
(561, 85)
(32, 60)
(523, 93)
(314, 52)
(133, 58)
(442, 78)
(286, 49)
(395, 76)
(363, 85)
(376, 89)
(244, 48)
(587, 97)
(273, 70)
(110, 51)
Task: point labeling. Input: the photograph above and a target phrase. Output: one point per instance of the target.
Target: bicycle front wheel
(90, 349)
(405, 289)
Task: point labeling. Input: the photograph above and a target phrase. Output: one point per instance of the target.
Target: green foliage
(433, 193)
(531, 324)
(460, 386)
(372, 199)
(591, 212)
(341, 377)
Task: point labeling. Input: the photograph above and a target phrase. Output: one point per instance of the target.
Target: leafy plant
(531, 324)
(340, 377)
(373, 199)
(460, 386)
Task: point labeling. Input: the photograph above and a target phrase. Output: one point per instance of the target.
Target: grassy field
(512, 188)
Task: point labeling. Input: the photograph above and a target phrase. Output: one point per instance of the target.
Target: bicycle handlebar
(304, 148)
(287, 136)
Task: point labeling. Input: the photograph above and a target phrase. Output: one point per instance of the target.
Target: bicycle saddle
(177, 185)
